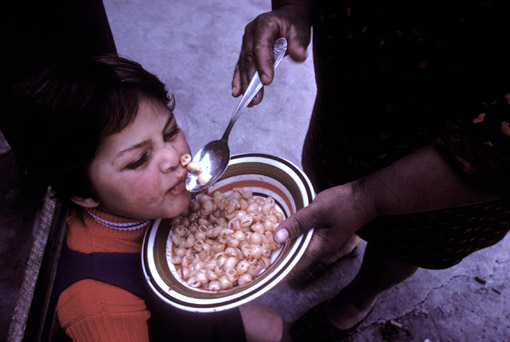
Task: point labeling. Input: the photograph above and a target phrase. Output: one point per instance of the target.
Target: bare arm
(419, 182)
(422, 181)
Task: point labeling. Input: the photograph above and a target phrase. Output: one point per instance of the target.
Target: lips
(178, 188)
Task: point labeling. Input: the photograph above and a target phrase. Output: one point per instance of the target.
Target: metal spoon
(214, 156)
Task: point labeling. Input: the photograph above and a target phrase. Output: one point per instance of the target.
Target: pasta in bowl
(223, 239)
(220, 254)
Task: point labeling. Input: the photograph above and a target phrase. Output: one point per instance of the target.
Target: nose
(169, 159)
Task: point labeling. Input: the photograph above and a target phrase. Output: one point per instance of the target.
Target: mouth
(179, 187)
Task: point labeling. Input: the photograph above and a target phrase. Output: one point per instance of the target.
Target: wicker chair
(34, 317)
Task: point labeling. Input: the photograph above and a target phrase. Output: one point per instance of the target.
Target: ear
(85, 202)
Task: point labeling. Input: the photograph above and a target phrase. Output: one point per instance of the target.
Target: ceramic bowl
(264, 175)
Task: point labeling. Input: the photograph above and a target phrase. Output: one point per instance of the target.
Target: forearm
(419, 182)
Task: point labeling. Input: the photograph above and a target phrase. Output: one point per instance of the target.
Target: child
(101, 132)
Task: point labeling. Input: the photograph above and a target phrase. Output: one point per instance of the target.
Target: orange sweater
(90, 310)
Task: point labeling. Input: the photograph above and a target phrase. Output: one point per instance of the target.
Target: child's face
(137, 173)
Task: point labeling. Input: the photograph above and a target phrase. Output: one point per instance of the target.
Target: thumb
(296, 51)
(298, 41)
(299, 223)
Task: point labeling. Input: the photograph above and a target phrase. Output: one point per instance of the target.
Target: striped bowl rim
(265, 175)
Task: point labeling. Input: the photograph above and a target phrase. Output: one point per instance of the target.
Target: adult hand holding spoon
(213, 158)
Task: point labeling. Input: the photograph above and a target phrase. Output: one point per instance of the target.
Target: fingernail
(233, 90)
(281, 235)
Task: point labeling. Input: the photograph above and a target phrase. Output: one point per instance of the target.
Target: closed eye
(171, 134)
(138, 162)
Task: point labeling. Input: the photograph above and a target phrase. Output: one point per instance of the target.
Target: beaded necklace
(120, 226)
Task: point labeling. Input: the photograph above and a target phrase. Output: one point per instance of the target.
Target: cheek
(141, 189)
(128, 190)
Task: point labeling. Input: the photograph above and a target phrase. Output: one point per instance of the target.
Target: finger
(236, 82)
(308, 258)
(263, 59)
(299, 223)
(263, 53)
(246, 62)
(258, 98)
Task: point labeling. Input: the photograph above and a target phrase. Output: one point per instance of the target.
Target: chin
(178, 204)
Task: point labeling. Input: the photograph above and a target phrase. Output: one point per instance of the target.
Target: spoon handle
(279, 49)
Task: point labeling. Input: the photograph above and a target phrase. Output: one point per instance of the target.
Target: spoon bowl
(213, 158)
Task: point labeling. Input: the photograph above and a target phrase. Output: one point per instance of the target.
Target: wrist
(363, 201)
(299, 8)
(277, 4)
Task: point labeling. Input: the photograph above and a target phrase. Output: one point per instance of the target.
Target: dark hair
(66, 111)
